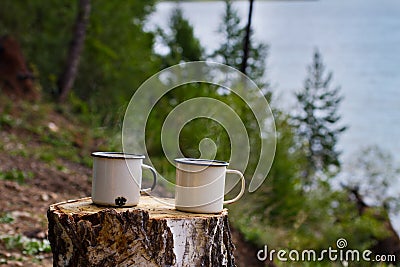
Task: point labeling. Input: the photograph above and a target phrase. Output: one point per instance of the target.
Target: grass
(6, 218)
(6, 121)
(47, 133)
(28, 246)
(16, 175)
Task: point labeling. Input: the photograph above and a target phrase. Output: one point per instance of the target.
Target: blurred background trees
(316, 121)
(116, 58)
(297, 206)
(180, 41)
(68, 75)
(231, 51)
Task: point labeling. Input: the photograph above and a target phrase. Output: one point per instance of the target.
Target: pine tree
(317, 121)
(182, 44)
(230, 51)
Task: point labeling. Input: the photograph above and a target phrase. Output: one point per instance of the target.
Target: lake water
(358, 39)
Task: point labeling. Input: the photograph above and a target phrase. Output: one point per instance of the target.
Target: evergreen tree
(317, 121)
(182, 44)
(230, 51)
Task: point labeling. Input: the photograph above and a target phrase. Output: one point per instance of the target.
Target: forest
(84, 60)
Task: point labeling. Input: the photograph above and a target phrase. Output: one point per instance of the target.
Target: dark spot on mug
(120, 201)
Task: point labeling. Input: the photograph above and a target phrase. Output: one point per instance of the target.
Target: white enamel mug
(200, 185)
(117, 178)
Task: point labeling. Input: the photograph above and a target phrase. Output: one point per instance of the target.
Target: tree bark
(150, 234)
(246, 41)
(67, 78)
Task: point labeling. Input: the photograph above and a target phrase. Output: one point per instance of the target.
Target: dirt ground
(23, 205)
(27, 203)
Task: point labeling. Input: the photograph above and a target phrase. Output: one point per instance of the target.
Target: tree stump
(150, 234)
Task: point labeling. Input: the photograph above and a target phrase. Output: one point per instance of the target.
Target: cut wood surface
(150, 234)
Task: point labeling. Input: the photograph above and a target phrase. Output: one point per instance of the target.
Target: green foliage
(6, 121)
(317, 121)
(327, 215)
(230, 51)
(182, 46)
(283, 215)
(78, 106)
(55, 137)
(316, 222)
(28, 246)
(118, 57)
(16, 175)
(180, 41)
(6, 218)
(267, 214)
(41, 29)
(191, 134)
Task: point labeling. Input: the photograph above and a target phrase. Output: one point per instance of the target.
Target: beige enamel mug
(200, 185)
(117, 178)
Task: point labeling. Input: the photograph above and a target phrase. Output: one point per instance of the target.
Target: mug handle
(241, 189)
(153, 171)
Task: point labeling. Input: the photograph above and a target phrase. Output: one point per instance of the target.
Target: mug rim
(202, 162)
(116, 155)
